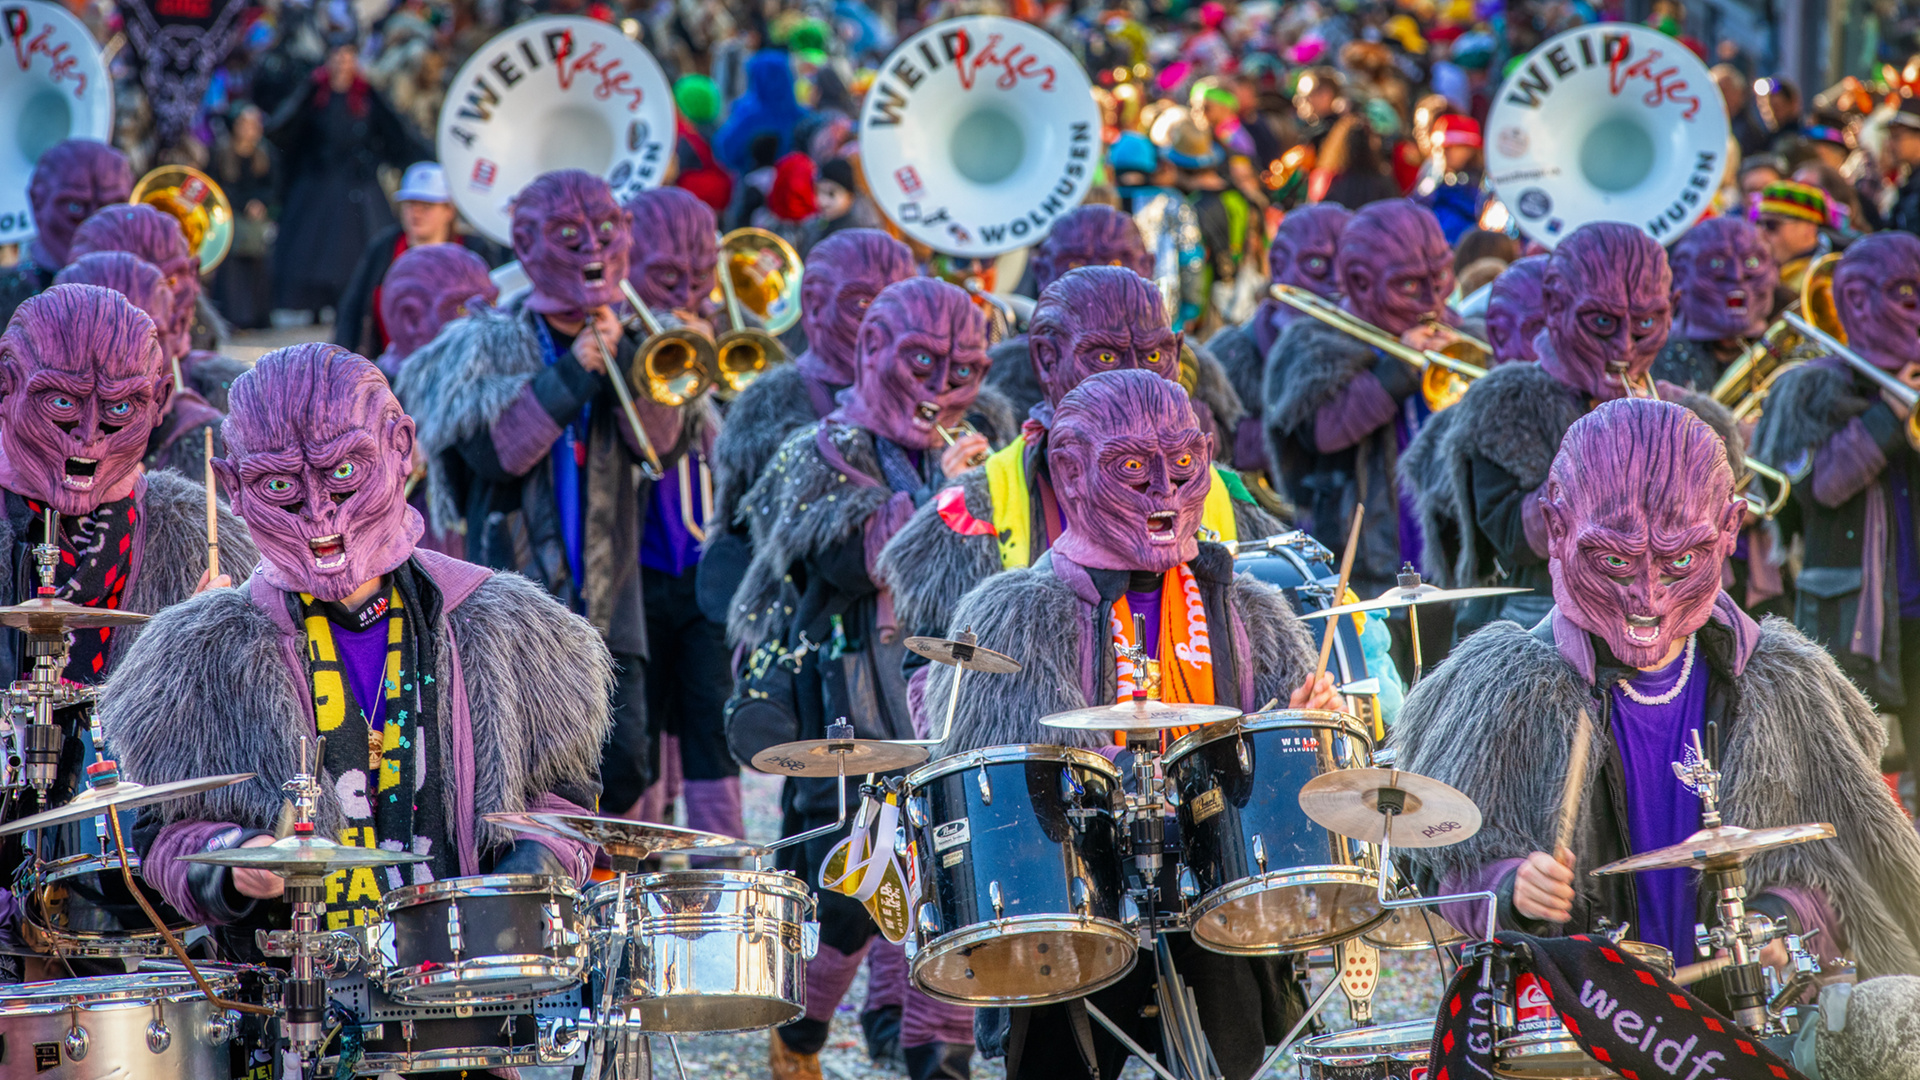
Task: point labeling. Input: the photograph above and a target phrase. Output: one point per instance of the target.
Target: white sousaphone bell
(977, 134)
(59, 90)
(1609, 122)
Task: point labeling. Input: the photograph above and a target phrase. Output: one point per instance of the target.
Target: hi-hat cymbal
(962, 652)
(824, 759)
(619, 836)
(304, 856)
(1143, 715)
(124, 795)
(1347, 801)
(1719, 849)
(44, 614)
(1398, 597)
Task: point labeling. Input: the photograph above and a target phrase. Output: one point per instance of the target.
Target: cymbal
(304, 856)
(1719, 849)
(740, 849)
(1347, 802)
(1398, 597)
(124, 795)
(1143, 715)
(963, 653)
(823, 759)
(619, 836)
(44, 614)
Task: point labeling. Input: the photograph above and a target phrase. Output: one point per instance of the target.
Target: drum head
(1389, 1050)
(1407, 929)
(1030, 962)
(1287, 911)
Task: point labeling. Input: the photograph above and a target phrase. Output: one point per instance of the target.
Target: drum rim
(968, 936)
(650, 1027)
(476, 1057)
(1007, 754)
(777, 882)
(51, 996)
(563, 972)
(476, 885)
(1271, 720)
(1364, 1055)
(1329, 874)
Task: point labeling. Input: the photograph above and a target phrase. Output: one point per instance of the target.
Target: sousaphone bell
(192, 198)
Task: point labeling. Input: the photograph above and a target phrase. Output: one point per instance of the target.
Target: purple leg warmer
(829, 974)
(925, 1021)
(886, 975)
(714, 806)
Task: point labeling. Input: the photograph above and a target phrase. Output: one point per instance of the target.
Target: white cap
(423, 182)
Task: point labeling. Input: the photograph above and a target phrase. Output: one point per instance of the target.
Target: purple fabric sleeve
(162, 868)
(1849, 461)
(577, 857)
(524, 434)
(1249, 444)
(923, 722)
(1533, 518)
(1357, 411)
(1470, 916)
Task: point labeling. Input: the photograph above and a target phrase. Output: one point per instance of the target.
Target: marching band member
(1515, 314)
(1723, 283)
(1007, 513)
(1793, 219)
(425, 289)
(1639, 514)
(1130, 462)
(471, 692)
(675, 250)
(820, 514)
(1840, 439)
(72, 179)
(526, 442)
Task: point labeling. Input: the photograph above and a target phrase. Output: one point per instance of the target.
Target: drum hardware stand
(36, 697)
(1310, 549)
(837, 732)
(1357, 967)
(1409, 578)
(964, 644)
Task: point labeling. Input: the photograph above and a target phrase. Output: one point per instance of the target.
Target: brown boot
(788, 1064)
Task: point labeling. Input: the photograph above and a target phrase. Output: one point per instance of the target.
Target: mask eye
(278, 486)
(922, 360)
(1643, 326)
(1717, 263)
(606, 230)
(1614, 563)
(1105, 357)
(963, 372)
(1316, 265)
(569, 234)
(1905, 291)
(1603, 324)
(77, 209)
(343, 471)
(1153, 357)
(1753, 262)
(61, 401)
(1682, 563)
(1133, 465)
(120, 410)
(1410, 287)
(1183, 460)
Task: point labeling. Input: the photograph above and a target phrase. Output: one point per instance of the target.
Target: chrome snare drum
(155, 1025)
(1267, 879)
(708, 951)
(1020, 876)
(1389, 1052)
(80, 906)
(1539, 1047)
(496, 937)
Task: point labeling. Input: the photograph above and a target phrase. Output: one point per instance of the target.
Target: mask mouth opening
(1737, 301)
(926, 412)
(79, 472)
(1643, 629)
(1160, 526)
(329, 552)
(594, 273)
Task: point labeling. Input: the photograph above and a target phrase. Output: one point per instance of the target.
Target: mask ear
(1856, 297)
(1046, 359)
(400, 438)
(1554, 513)
(1732, 520)
(874, 337)
(229, 478)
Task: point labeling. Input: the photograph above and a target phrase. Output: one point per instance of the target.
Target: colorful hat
(697, 98)
(1793, 200)
(1133, 152)
(1457, 131)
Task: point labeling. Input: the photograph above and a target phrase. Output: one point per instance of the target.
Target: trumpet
(672, 366)
(762, 271)
(1444, 376)
(1757, 502)
(1899, 391)
(953, 435)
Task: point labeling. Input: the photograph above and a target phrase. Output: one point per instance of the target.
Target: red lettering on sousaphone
(1012, 66)
(62, 64)
(615, 79)
(1667, 86)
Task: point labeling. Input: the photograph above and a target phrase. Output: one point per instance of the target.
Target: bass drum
(1306, 573)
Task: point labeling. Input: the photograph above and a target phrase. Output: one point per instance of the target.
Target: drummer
(1129, 462)
(444, 691)
(1640, 515)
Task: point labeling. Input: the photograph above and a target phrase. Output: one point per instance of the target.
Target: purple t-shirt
(364, 654)
(1147, 606)
(665, 542)
(1406, 424)
(1661, 810)
(1906, 561)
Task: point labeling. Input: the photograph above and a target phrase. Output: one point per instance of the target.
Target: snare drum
(497, 937)
(1390, 1052)
(79, 906)
(155, 1025)
(1020, 876)
(1269, 880)
(709, 951)
(1539, 1047)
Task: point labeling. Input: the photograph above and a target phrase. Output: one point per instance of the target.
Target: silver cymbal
(1142, 715)
(1717, 849)
(124, 795)
(1347, 801)
(619, 836)
(1398, 597)
(304, 856)
(962, 652)
(46, 615)
(824, 759)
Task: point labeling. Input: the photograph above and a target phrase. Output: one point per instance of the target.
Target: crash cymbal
(1143, 715)
(123, 795)
(44, 614)
(619, 836)
(304, 856)
(1719, 849)
(1347, 801)
(824, 759)
(1398, 597)
(963, 652)
(739, 849)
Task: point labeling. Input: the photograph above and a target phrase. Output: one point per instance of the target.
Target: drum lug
(222, 1027)
(1189, 886)
(986, 786)
(1244, 753)
(1259, 853)
(455, 942)
(901, 846)
(809, 940)
(1129, 911)
(158, 1037)
(77, 1043)
(553, 934)
(917, 811)
(1071, 789)
(1080, 897)
(929, 921)
(993, 894)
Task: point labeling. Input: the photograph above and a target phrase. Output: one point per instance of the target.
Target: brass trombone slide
(1444, 379)
(1761, 506)
(1906, 395)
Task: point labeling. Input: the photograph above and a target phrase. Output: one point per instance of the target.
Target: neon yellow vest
(1007, 487)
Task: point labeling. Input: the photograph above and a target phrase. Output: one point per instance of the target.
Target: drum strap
(866, 867)
(1083, 1034)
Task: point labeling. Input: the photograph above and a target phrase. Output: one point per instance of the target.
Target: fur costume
(1802, 745)
(771, 408)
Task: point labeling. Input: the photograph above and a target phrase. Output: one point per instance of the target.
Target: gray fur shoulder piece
(1280, 644)
(175, 554)
(930, 568)
(1239, 355)
(1312, 362)
(1514, 417)
(1012, 374)
(1034, 616)
(212, 374)
(1804, 409)
(773, 407)
(996, 417)
(1212, 388)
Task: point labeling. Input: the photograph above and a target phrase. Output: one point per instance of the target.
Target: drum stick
(1575, 782)
(213, 517)
(1340, 592)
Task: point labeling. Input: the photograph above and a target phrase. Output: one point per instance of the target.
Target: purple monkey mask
(127, 274)
(82, 383)
(1089, 236)
(1723, 280)
(71, 180)
(675, 251)
(844, 273)
(1514, 311)
(1094, 319)
(1394, 266)
(1131, 466)
(1641, 514)
(1304, 247)
(318, 452)
(156, 237)
(573, 241)
(1877, 289)
(428, 287)
(923, 356)
(1608, 296)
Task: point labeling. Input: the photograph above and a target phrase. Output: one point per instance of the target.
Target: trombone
(760, 270)
(1747, 380)
(192, 198)
(1444, 377)
(1761, 506)
(1906, 395)
(672, 366)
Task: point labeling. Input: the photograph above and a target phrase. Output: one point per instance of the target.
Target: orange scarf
(1185, 649)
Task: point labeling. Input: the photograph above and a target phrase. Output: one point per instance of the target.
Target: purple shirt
(1660, 810)
(364, 654)
(665, 543)
(1406, 424)
(1147, 606)
(1906, 556)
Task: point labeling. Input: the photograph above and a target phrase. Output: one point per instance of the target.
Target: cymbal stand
(36, 697)
(964, 644)
(840, 734)
(305, 990)
(1409, 578)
